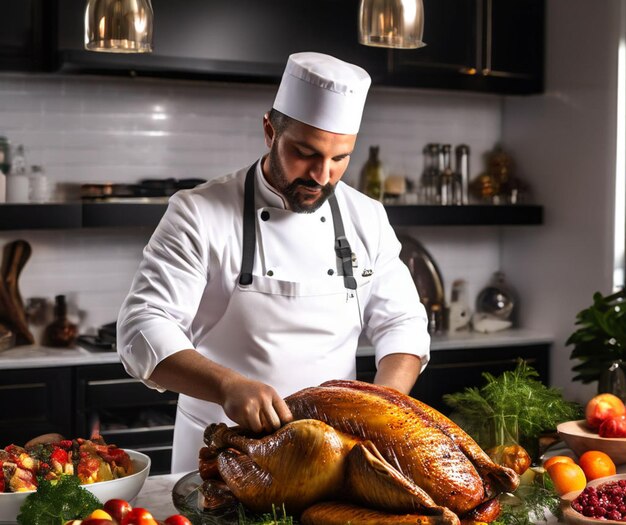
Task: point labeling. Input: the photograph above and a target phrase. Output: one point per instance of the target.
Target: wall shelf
(134, 214)
(142, 214)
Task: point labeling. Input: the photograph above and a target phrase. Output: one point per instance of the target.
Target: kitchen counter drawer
(35, 401)
(110, 386)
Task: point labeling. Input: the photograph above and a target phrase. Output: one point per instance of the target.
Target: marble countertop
(156, 495)
(45, 357)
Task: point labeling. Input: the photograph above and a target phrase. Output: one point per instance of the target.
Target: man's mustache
(306, 183)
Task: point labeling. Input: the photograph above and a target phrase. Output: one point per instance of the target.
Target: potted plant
(600, 342)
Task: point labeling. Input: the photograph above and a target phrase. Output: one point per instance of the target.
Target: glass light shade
(118, 26)
(391, 23)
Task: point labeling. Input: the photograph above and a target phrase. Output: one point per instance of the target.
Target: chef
(258, 284)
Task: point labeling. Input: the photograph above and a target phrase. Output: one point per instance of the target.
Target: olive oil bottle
(372, 175)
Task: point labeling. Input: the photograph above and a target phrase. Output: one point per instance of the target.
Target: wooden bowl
(580, 439)
(576, 518)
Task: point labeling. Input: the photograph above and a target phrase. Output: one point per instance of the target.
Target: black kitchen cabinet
(451, 371)
(244, 40)
(27, 35)
(478, 45)
(35, 401)
(126, 412)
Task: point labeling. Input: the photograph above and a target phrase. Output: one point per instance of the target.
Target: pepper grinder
(60, 333)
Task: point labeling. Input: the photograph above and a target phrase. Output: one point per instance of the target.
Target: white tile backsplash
(91, 129)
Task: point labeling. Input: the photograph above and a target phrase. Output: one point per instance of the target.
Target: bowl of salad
(105, 471)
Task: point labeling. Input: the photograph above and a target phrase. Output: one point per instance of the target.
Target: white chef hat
(324, 92)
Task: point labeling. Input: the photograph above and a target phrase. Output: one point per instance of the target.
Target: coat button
(270, 273)
(323, 219)
(265, 215)
(331, 271)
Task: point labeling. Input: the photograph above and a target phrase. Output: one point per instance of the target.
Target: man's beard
(289, 190)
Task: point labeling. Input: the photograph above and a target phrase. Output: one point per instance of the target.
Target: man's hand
(248, 403)
(254, 405)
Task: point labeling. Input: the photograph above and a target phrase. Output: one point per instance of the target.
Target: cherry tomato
(117, 508)
(139, 516)
(177, 519)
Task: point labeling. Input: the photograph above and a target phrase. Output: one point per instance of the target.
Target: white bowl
(575, 518)
(580, 438)
(125, 488)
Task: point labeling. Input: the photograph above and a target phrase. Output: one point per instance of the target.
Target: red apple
(601, 407)
(613, 427)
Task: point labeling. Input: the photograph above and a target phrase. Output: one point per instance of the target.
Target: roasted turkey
(357, 453)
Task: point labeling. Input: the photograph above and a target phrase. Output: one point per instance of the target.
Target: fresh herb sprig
(277, 517)
(56, 503)
(530, 504)
(514, 405)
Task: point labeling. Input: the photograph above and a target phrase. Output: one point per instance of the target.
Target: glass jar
(613, 380)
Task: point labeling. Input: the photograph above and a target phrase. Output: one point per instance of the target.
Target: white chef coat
(191, 267)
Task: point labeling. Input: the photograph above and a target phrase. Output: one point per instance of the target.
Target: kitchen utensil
(497, 298)
(15, 256)
(425, 273)
(103, 342)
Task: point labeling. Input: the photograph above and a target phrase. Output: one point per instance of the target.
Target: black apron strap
(249, 228)
(342, 247)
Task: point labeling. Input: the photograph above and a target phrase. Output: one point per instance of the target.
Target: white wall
(104, 129)
(564, 141)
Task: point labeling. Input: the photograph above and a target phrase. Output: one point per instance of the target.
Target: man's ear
(268, 130)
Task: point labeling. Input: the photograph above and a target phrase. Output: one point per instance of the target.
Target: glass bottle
(461, 183)
(446, 180)
(372, 175)
(60, 333)
(430, 174)
(17, 181)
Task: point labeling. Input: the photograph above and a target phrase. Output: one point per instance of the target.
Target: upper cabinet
(27, 35)
(221, 39)
(479, 45)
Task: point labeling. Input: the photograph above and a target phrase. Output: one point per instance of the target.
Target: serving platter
(185, 498)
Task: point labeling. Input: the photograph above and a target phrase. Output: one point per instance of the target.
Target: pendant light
(391, 23)
(118, 26)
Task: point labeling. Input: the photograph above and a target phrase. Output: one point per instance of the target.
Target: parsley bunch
(54, 504)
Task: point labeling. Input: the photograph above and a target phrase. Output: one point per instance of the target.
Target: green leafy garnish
(54, 504)
(530, 504)
(513, 407)
(277, 517)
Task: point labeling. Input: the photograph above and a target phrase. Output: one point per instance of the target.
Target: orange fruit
(557, 459)
(567, 477)
(596, 464)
